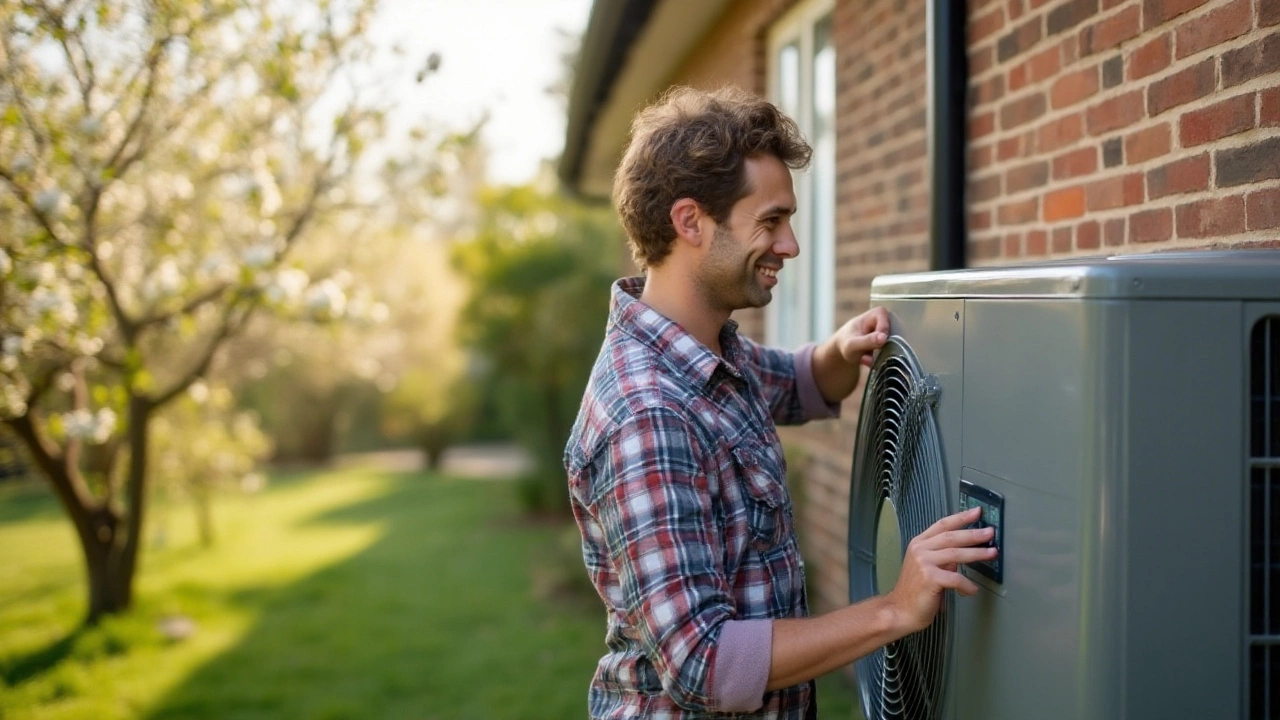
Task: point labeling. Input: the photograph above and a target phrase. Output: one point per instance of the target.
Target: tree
(160, 161)
(539, 271)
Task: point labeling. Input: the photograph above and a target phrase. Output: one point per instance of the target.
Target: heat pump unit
(1118, 419)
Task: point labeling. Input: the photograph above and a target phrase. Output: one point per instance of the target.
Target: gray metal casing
(1106, 400)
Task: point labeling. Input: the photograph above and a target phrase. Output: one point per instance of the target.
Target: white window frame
(805, 311)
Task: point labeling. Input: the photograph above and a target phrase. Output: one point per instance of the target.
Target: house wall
(1095, 126)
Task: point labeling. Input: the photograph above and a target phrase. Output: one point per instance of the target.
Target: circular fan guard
(897, 461)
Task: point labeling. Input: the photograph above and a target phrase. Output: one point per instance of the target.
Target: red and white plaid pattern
(676, 479)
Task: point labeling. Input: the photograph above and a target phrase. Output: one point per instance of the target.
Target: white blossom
(54, 303)
(49, 202)
(287, 287)
(15, 404)
(164, 282)
(94, 427)
(11, 345)
(325, 300)
(91, 126)
(217, 266)
(259, 255)
(199, 392)
(5, 263)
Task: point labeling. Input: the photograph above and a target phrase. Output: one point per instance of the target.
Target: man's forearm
(805, 648)
(835, 377)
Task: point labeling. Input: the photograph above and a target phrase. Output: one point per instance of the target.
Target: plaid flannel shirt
(676, 481)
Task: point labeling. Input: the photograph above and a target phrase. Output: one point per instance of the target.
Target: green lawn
(352, 594)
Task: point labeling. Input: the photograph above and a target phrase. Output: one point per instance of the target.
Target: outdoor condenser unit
(1118, 419)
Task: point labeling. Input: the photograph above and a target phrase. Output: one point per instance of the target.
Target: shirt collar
(668, 338)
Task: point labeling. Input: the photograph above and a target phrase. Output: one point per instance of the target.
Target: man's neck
(676, 297)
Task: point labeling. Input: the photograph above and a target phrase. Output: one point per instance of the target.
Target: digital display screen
(992, 504)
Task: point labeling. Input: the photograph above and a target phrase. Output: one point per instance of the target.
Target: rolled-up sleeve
(655, 511)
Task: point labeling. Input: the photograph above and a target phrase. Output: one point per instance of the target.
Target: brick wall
(1122, 125)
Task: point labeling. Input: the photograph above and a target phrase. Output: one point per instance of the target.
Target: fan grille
(898, 458)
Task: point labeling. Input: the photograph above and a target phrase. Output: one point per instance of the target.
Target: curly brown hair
(694, 144)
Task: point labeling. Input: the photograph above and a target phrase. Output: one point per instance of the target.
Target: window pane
(790, 291)
(823, 195)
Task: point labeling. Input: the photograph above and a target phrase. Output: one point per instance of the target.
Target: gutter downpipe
(948, 89)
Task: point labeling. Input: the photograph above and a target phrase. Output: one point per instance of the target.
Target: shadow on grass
(434, 620)
(40, 661)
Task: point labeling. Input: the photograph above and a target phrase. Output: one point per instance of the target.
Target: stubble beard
(729, 282)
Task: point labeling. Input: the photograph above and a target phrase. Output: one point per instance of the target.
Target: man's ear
(686, 218)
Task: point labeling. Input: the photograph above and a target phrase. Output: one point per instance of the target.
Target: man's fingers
(961, 555)
(960, 538)
(951, 522)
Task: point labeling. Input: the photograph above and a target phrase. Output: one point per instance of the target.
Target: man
(675, 469)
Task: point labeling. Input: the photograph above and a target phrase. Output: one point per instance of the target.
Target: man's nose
(786, 245)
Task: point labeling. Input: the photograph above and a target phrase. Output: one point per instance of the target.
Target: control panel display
(992, 504)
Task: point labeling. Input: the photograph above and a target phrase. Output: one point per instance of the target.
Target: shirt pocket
(768, 505)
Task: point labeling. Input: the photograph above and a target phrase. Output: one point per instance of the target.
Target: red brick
(989, 90)
(1017, 213)
(1061, 132)
(984, 248)
(982, 125)
(1012, 245)
(1016, 8)
(1144, 145)
(1062, 204)
(1026, 177)
(1210, 218)
(1110, 32)
(986, 25)
(1108, 4)
(1037, 242)
(1229, 117)
(987, 188)
(1215, 28)
(1263, 209)
(1019, 40)
(1251, 163)
(1088, 235)
(1180, 176)
(1075, 163)
(1038, 67)
(1114, 192)
(1062, 239)
(1268, 13)
(1156, 12)
(1182, 87)
(1115, 113)
(1009, 148)
(1074, 87)
(1021, 111)
(1151, 58)
(980, 157)
(981, 60)
(1251, 61)
(1113, 232)
(1151, 226)
(979, 220)
(1270, 114)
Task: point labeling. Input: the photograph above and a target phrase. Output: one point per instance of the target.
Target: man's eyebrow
(777, 210)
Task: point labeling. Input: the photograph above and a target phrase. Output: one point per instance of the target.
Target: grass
(351, 594)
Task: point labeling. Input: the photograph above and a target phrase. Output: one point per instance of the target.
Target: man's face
(741, 265)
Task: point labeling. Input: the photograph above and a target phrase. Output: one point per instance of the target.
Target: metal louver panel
(1263, 642)
(897, 469)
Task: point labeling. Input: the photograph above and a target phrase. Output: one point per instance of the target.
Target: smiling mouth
(768, 272)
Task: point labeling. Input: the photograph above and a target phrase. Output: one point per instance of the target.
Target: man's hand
(838, 361)
(859, 338)
(932, 564)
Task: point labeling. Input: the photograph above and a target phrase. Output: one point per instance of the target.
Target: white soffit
(671, 33)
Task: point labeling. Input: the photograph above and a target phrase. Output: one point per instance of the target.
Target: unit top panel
(1225, 274)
